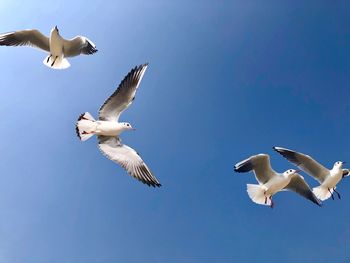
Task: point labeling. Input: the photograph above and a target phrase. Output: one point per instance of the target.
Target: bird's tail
(256, 193)
(322, 193)
(85, 126)
(56, 63)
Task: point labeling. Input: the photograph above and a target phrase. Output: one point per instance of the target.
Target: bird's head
(290, 172)
(127, 126)
(55, 29)
(338, 165)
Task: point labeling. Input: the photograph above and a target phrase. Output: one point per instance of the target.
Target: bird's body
(333, 178)
(104, 128)
(326, 189)
(57, 47)
(56, 44)
(271, 182)
(108, 128)
(328, 178)
(276, 184)
(56, 58)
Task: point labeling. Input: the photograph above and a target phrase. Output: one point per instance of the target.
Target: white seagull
(328, 179)
(57, 47)
(107, 128)
(271, 182)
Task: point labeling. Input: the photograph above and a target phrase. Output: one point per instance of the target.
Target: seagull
(328, 179)
(57, 47)
(271, 182)
(107, 128)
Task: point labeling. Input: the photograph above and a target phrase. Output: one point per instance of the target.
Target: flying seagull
(271, 182)
(57, 47)
(328, 179)
(108, 128)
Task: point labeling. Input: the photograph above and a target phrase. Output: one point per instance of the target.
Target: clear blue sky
(227, 79)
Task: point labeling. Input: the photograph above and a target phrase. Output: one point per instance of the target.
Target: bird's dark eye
(290, 171)
(127, 125)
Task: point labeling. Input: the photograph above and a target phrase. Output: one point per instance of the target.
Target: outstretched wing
(78, 45)
(298, 185)
(128, 158)
(31, 37)
(305, 163)
(122, 98)
(261, 166)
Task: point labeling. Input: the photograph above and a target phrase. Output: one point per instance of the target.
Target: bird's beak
(56, 28)
(343, 162)
(297, 171)
(133, 129)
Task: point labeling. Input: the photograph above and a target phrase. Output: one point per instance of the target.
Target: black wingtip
(243, 166)
(315, 200)
(76, 125)
(318, 202)
(153, 184)
(141, 66)
(77, 131)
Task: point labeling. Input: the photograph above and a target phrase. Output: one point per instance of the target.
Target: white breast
(276, 184)
(333, 179)
(108, 128)
(56, 45)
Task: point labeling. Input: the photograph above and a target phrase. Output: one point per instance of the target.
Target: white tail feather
(256, 193)
(85, 126)
(322, 193)
(59, 63)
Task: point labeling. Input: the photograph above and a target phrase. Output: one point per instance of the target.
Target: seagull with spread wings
(108, 128)
(57, 47)
(271, 182)
(328, 179)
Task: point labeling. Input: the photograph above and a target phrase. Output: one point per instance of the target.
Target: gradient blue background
(227, 79)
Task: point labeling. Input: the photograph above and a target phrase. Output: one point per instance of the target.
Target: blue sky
(227, 79)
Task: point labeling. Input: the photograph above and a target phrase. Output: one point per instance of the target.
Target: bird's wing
(346, 172)
(123, 96)
(128, 158)
(298, 185)
(261, 166)
(305, 163)
(78, 45)
(31, 37)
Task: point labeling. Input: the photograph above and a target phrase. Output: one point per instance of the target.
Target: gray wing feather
(261, 166)
(128, 158)
(298, 185)
(123, 96)
(305, 163)
(78, 45)
(31, 37)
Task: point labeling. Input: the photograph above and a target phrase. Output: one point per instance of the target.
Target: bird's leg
(329, 190)
(265, 197)
(337, 193)
(54, 61)
(48, 58)
(272, 203)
